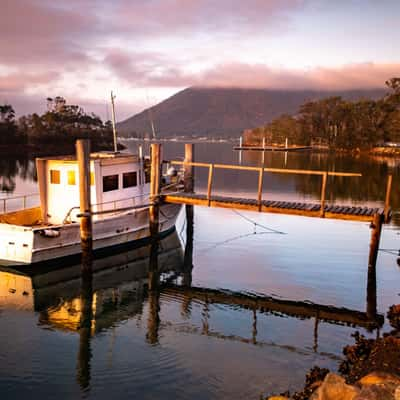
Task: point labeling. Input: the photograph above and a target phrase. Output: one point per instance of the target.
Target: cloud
(156, 70)
(172, 17)
(18, 83)
(351, 76)
(38, 33)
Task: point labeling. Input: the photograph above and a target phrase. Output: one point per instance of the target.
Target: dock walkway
(278, 207)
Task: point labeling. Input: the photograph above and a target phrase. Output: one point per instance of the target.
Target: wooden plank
(279, 207)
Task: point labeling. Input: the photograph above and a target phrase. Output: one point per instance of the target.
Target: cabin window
(71, 177)
(55, 176)
(110, 183)
(129, 179)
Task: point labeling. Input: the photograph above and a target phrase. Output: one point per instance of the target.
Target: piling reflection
(85, 326)
(153, 321)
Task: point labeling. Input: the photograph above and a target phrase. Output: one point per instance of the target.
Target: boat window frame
(55, 176)
(113, 187)
(71, 174)
(125, 179)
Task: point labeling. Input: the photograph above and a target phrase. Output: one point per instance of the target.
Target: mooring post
(209, 186)
(376, 227)
(188, 255)
(263, 152)
(387, 197)
(189, 187)
(83, 157)
(188, 169)
(155, 155)
(260, 187)
(323, 194)
(154, 208)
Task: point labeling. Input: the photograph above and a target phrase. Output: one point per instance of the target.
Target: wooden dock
(279, 207)
(272, 148)
(259, 204)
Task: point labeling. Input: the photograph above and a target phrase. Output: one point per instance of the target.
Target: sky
(147, 50)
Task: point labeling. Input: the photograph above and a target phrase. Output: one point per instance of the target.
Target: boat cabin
(117, 180)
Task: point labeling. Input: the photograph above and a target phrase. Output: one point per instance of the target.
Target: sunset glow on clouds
(146, 50)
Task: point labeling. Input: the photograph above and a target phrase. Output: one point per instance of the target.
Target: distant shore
(38, 150)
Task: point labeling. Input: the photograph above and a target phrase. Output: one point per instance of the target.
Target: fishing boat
(50, 232)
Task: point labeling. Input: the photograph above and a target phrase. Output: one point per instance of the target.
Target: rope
(215, 245)
(181, 232)
(394, 252)
(260, 225)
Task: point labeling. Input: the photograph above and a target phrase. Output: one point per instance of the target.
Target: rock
(376, 378)
(334, 387)
(376, 392)
(394, 316)
(397, 393)
(278, 398)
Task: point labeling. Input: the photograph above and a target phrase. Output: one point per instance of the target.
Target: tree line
(60, 125)
(337, 123)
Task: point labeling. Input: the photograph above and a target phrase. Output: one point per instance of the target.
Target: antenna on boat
(113, 123)
(153, 131)
(152, 124)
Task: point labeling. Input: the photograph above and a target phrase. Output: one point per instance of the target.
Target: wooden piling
(376, 227)
(189, 187)
(209, 186)
(387, 198)
(83, 157)
(188, 169)
(155, 172)
(323, 194)
(260, 188)
(188, 255)
(154, 188)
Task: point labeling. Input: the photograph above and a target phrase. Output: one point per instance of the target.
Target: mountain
(222, 112)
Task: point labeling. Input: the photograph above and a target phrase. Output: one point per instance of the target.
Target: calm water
(188, 343)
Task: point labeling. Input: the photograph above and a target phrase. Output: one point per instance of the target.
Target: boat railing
(17, 203)
(112, 206)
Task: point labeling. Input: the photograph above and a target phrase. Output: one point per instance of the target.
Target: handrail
(24, 198)
(324, 175)
(114, 209)
(276, 170)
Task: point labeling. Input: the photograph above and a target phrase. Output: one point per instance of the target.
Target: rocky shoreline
(370, 370)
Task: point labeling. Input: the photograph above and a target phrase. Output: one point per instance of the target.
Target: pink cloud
(156, 70)
(19, 82)
(170, 17)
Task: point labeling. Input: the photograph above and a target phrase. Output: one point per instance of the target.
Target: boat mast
(113, 123)
(152, 124)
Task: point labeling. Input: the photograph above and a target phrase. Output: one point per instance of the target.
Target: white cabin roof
(106, 158)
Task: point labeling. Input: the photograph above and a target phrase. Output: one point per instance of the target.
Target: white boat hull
(30, 245)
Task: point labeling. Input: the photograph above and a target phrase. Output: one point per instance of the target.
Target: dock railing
(324, 175)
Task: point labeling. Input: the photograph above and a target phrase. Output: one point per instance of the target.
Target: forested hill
(218, 112)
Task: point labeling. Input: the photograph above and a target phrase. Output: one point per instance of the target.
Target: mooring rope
(257, 224)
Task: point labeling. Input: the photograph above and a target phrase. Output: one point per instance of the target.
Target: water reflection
(146, 281)
(11, 168)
